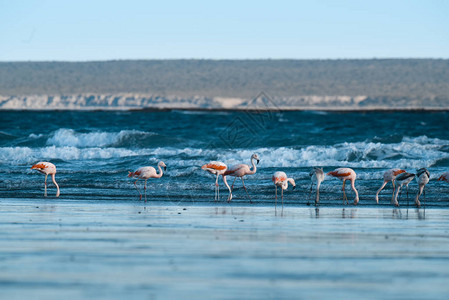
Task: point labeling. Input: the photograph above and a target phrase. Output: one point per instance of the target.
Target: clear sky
(103, 30)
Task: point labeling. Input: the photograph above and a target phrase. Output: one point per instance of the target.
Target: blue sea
(93, 152)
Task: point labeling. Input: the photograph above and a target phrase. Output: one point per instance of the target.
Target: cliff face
(261, 102)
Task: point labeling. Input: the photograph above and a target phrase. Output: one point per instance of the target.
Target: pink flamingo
(389, 175)
(218, 168)
(423, 177)
(346, 174)
(47, 168)
(280, 179)
(444, 177)
(241, 170)
(147, 173)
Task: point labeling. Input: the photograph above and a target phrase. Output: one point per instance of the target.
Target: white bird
(316, 175)
(403, 179)
(47, 168)
(280, 179)
(241, 170)
(422, 176)
(147, 173)
(218, 168)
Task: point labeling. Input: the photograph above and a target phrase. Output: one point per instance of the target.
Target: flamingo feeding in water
(346, 174)
(422, 176)
(389, 175)
(47, 168)
(241, 170)
(316, 175)
(280, 179)
(147, 173)
(218, 168)
(403, 179)
(444, 177)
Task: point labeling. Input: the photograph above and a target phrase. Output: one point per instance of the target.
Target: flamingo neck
(159, 175)
(355, 190)
(254, 167)
(227, 185)
(57, 186)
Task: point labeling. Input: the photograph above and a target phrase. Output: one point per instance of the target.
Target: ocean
(99, 241)
(93, 152)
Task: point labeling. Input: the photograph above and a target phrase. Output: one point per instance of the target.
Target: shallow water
(78, 249)
(94, 151)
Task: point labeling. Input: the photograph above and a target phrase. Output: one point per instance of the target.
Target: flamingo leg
(275, 198)
(317, 200)
(394, 188)
(344, 193)
(45, 184)
(407, 193)
(232, 187)
(145, 189)
(138, 190)
(243, 182)
(217, 190)
(310, 193)
(282, 198)
(380, 189)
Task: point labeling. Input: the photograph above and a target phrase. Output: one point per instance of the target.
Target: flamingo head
(441, 178)
(162, 164)
(256, 157)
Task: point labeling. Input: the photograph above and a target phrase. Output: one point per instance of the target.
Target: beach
(51, 248)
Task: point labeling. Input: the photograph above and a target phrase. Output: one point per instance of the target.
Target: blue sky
(104, 30)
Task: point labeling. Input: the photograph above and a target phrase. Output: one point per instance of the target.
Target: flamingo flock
(398, 177)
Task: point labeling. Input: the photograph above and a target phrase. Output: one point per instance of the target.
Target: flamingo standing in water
(316, 175)
(444, 177)
(346, 174)
(147, 173)
(241, 170)
(422, 176)
(47, 168)
(218, 168)
(280, 179)
(389, 175)
(403, 179)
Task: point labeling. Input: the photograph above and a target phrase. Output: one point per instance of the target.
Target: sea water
(93, 152)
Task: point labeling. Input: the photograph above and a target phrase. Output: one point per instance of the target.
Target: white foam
(69, 137)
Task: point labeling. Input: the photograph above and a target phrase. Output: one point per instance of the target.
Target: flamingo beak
(257, 161)
(294, 187)
(165, 168)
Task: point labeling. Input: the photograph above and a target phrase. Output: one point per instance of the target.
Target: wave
(69, 137)
(410, 153)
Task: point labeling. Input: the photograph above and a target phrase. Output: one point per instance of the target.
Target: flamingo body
(218, 168)
(47, 168)
(241, 170)
(146, 173)
(346, 174)
(389, 175)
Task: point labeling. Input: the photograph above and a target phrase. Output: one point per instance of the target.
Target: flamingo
(47, 168)
(218, 168)
(444, 177)
(422, 176)
(389, 175)
(147, 173)
(280, 179)
(346, 174)
(403, 179)
(316, 175)
(241, 170)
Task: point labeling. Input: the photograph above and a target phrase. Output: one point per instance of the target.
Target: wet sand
(53, 249)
